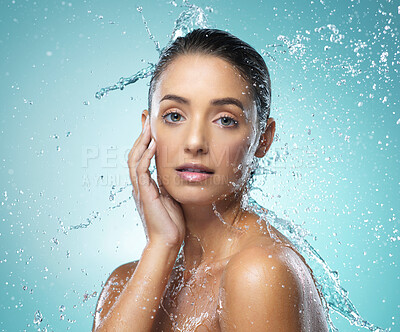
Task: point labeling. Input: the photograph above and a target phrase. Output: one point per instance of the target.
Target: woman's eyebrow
(214, 102)
(175, 98)
(227, 101)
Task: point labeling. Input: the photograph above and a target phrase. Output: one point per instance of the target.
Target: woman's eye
(172, 117)
(227, 121)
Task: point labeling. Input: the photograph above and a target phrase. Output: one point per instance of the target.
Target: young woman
(208, 122)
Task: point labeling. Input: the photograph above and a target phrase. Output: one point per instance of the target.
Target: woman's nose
(196, 141)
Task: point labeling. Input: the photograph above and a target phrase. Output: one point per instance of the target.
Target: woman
(207, 124)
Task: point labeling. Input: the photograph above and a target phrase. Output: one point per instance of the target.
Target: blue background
(335, 170)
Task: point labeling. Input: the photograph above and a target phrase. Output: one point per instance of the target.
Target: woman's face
(203, 120)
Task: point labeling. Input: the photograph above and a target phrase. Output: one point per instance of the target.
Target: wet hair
(224, 45)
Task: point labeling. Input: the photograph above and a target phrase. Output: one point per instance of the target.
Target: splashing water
(124, 81)
(335, 296)
(37, 317)
(187, 21)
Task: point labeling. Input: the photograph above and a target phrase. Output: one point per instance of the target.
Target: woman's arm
(134, 307)
(131, 305)
(269, 291)
(112, 289)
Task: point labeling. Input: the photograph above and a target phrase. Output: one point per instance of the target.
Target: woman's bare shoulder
(266, 247)
(118, 278)
(260, 229)
(112, 289)
(270, 278)
(264, 256)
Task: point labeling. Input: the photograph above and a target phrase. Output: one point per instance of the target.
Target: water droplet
(37, 318)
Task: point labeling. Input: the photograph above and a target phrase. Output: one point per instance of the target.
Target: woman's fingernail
(152, 143)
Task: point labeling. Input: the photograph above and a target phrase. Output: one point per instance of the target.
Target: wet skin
(236, 272)
(263, 258)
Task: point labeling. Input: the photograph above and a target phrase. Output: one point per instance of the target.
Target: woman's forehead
(203, 76)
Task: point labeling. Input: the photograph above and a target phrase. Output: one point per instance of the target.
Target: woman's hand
(161, 215)
(133, 306)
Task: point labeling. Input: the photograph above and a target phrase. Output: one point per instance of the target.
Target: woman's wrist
(162, 249)
(165, 243)
(157, 261)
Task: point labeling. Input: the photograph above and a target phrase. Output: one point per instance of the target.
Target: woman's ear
(145, 114)
(266, 139)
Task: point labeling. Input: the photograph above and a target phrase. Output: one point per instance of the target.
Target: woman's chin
(193, 197)
(198, 195)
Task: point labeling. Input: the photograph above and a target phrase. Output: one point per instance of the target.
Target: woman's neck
(210, 234)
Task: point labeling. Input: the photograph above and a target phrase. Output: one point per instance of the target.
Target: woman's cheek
(167, 153)
(239, 154)
(162, 162)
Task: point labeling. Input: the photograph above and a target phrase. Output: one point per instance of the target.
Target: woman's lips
(194, 172)
(191, 176)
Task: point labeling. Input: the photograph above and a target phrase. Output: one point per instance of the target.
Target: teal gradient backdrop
(336, 170)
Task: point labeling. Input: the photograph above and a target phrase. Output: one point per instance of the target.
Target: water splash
(151, 36)
(124, 81)
(219, 216)
(95, 215)
(191, 18)
(37, 317)
(336, 297)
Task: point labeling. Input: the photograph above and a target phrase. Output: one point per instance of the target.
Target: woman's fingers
(137, 151)
(161, 215)
(141, 143)
(163, 191)
(146, 187)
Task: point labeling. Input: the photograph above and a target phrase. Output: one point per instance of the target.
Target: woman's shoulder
(119, 277)
(268, 276)
(267, 253)
(125, 269)
(266, 257)
(112, 289)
